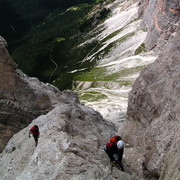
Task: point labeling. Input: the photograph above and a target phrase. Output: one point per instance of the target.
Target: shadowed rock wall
(153, 106)
(160, 18)
(21, 98)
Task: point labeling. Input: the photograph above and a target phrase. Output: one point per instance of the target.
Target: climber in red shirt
(115, 149)
(35, 132)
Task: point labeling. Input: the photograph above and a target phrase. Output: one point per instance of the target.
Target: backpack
(115, 139)
(108, 146)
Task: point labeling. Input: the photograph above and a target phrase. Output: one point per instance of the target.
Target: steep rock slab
(160, 19)
(21, 98)
(153, 113)
(70, 147)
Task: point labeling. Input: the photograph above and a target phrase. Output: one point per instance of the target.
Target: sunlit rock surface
(71, 143)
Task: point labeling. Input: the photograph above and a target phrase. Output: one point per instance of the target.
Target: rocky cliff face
(21, 98)
(153, 107)
(70, 146)
(72, 136)
(160, 18)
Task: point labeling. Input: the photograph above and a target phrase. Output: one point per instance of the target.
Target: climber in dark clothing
(118, 155)
(115, 150)
(35, 132)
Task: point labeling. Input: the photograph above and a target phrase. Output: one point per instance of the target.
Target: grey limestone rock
(160, 18)
(153, 113)
(3, 43)
(72, 137)
(22, 98)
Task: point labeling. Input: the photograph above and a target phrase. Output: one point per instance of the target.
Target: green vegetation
(59, 39)
(101, 43)
(42, 32)
(89, 22)
(98, 1)
(79, 7)
(95, 74)
(39, 32)
(125, 83)
(140, 49)
(107, 49)
(101, 74)
(73, 8)
(112, 34)
(92, 96)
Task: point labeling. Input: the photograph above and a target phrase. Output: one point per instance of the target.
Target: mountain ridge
(151, 127)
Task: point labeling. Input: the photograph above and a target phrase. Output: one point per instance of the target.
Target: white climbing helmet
(120, 144)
